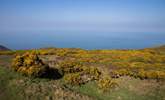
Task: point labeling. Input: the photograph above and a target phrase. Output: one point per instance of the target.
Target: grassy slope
(8, 92)
(129, 89)
(14, 86)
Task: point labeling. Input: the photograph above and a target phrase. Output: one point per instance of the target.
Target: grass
(129, 89)
(5, 60)
(14, 86)
(8, 91)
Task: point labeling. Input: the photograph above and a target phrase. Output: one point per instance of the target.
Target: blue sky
(83, 15)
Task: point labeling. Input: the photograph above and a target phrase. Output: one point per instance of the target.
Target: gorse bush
(76, 74)
(144, 63)
(73, 79)
(30, 64)
(151, 74)
(82, 77)
(92, 71)
(122, 72)
(139, 73)
(106, 83)
(70, 66)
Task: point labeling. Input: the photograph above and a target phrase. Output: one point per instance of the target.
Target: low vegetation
(106, 83)
(94, 74)
(30, 64)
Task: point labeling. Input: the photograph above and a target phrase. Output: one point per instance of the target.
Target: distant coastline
(85, 40)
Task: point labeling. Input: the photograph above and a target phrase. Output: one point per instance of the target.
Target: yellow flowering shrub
(73, 79)
(70, 66)
(106, 83)
(29, 64)
(75, 73)
(151, 74)
(92, 71)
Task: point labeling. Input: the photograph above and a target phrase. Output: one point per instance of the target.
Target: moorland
(78, 74)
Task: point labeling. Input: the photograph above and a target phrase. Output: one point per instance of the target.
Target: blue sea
(81, 39)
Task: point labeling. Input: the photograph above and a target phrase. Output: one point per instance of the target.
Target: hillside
(78, 74)
(162, 47)
(3, 48)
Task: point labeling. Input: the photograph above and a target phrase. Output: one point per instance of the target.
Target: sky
(82, 15)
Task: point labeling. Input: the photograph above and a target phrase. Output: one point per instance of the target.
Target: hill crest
(3, 48)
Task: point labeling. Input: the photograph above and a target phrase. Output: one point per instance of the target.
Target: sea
(81, 39)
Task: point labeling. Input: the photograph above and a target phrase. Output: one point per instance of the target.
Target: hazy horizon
(84, 40)
(89, 24)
